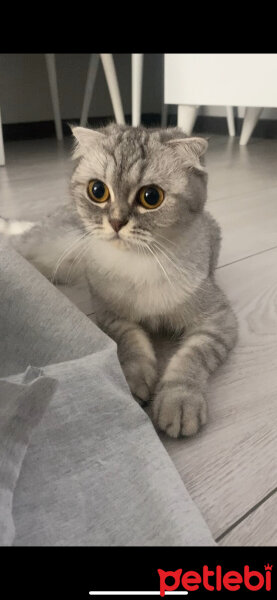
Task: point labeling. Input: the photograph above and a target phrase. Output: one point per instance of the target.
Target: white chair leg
(91, 76)
(164, 115)
(186, 118)
(2, 153)
(251, 117)
(164, 109)
(52, 76)
(231, 121)
(137, 72)
(111, 77)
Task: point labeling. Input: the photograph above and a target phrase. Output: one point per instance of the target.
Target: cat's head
(132, 185)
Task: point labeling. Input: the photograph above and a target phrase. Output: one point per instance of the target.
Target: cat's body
(150, 266)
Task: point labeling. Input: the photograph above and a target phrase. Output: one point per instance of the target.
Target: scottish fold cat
(136, 226)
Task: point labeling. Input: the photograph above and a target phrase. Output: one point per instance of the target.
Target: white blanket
(81, 463)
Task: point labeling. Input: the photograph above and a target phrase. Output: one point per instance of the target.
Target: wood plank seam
(246, 257)
(243, 517)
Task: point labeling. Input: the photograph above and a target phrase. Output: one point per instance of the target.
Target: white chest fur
(136, 286)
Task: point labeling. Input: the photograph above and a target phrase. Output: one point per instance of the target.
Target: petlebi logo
(215, 581)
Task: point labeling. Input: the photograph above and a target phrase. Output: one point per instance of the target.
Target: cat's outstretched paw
(178, 411)
(141, 377)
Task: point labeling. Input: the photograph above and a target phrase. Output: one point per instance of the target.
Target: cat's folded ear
(85, 138)
(193, 148)
(196, 145)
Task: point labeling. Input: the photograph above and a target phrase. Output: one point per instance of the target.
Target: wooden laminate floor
(230, 467)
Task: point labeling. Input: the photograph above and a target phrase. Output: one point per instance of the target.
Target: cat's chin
(118, 242)
(122, 244)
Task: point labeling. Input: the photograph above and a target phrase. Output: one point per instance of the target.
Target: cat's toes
(141, 377)
(179, 412)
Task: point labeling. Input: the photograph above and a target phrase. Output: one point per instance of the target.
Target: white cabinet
(249, 80)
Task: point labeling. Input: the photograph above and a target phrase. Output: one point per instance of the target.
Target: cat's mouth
(116, 238)
(131, 240)
(123, 242)
(120, 241)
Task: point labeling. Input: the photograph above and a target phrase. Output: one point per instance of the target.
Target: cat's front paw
(179, 411)
(141, 377)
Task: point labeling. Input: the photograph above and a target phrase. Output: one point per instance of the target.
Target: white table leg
(52, 76)
(164, 109)
(187, 115)
(251, 117)
(111, 77)
(137, 72)
(2, 153)
(231, 120)
(91, 76)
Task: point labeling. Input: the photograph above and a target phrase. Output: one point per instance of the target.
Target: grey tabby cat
(150, 255)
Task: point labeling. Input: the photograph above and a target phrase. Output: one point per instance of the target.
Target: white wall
(24, 90)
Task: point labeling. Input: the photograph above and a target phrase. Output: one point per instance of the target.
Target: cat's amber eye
(150, 196)
(98, 191)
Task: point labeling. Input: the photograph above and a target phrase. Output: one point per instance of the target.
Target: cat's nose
(117, 223)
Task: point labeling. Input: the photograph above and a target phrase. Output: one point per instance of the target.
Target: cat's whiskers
(184, 272)
(78, 258)
(159, 248)
(70, 249)
(167, 253)
(188, 268)
(141, 236)
(166, 239)
(175, 260)
(139, 247)
(148, 242)
(65, 254)
(159, 263)
(143, 248)
(94, 229)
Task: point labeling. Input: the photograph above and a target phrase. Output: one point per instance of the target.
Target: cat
(149, 252)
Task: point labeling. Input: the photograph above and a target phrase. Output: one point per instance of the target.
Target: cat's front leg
(136, 355)
(179, 407)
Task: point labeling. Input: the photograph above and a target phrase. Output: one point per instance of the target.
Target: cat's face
(133, 186)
